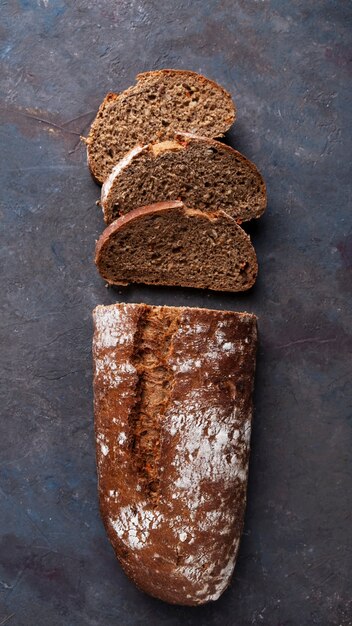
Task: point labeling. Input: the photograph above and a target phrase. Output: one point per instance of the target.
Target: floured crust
(181, 141)
(181, 547)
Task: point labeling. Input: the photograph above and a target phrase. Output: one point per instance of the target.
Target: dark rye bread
(160, 104)
(169, 244)
(199, 171)
(173, 410)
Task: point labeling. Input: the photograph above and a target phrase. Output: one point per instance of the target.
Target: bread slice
(199, 171)
(162, 102)
(173, 410)
(169, 244)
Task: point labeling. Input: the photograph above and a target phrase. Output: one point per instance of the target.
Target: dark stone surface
(288, 66)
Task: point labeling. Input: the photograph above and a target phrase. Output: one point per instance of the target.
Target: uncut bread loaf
(169, 244)
(173, 409)
(161, 103)
(199, 171)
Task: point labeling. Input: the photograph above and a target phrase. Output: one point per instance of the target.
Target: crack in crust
(152, 349)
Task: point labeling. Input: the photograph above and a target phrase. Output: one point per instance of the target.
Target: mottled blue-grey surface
(288, 66)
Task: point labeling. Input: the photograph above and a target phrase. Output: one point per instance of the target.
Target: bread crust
(130, 217)
(183, 140)
(109, 98)
(182, 547)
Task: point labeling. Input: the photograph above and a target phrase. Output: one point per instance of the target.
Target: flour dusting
(122, 438)
(134, 524)
(111, 323)
(211, 444)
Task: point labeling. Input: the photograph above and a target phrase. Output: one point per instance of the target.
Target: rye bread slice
(199, 171)
(160, 104)
(170, 244)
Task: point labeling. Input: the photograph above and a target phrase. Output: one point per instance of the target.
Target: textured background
(288, 66)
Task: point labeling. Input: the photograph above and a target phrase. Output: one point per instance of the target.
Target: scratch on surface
(66, 332)
(48, 123)
(5, 463)
(326, 579)
(18, 577)
(320, 562)
(6, 619)
(59, 377)
(41, 120)
(5, 585)
(79, 117)
(38, 530)
(77, 145)
(308, 340)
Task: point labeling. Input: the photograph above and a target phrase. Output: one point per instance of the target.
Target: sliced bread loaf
(160, 104)
(170, 244)
(199, 171)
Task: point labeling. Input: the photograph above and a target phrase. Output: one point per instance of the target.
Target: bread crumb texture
(201, 172)
(173, 415)
(170, 244)
(160, 104)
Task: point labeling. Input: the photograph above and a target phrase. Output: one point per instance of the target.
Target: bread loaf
(160, 104)
(201, 172)
(169, 244)
(173, 409)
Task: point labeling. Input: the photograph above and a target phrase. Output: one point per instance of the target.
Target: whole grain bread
(173, 410)
(199, 171)
(160, 104)
(169, 244)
